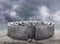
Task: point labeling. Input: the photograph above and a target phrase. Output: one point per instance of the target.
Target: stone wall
(24, 30)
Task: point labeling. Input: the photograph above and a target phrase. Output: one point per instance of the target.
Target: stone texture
(44, 31)
(22, 32)
(26, 29)
(18, 32)
(4, 39)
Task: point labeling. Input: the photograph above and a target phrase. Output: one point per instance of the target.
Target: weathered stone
(44, 31)
(22, 31)
(30, 30)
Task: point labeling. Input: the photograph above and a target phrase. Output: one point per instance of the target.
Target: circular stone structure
(44, 30)
(24, 30)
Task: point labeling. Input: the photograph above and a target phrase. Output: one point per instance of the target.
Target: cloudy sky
(30, 10)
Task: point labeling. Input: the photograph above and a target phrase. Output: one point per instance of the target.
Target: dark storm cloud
(38, 10)
(24, 9)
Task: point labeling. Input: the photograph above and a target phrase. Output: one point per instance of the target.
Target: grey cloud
(27, 10)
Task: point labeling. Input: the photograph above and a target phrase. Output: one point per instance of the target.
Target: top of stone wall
(29, 23)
